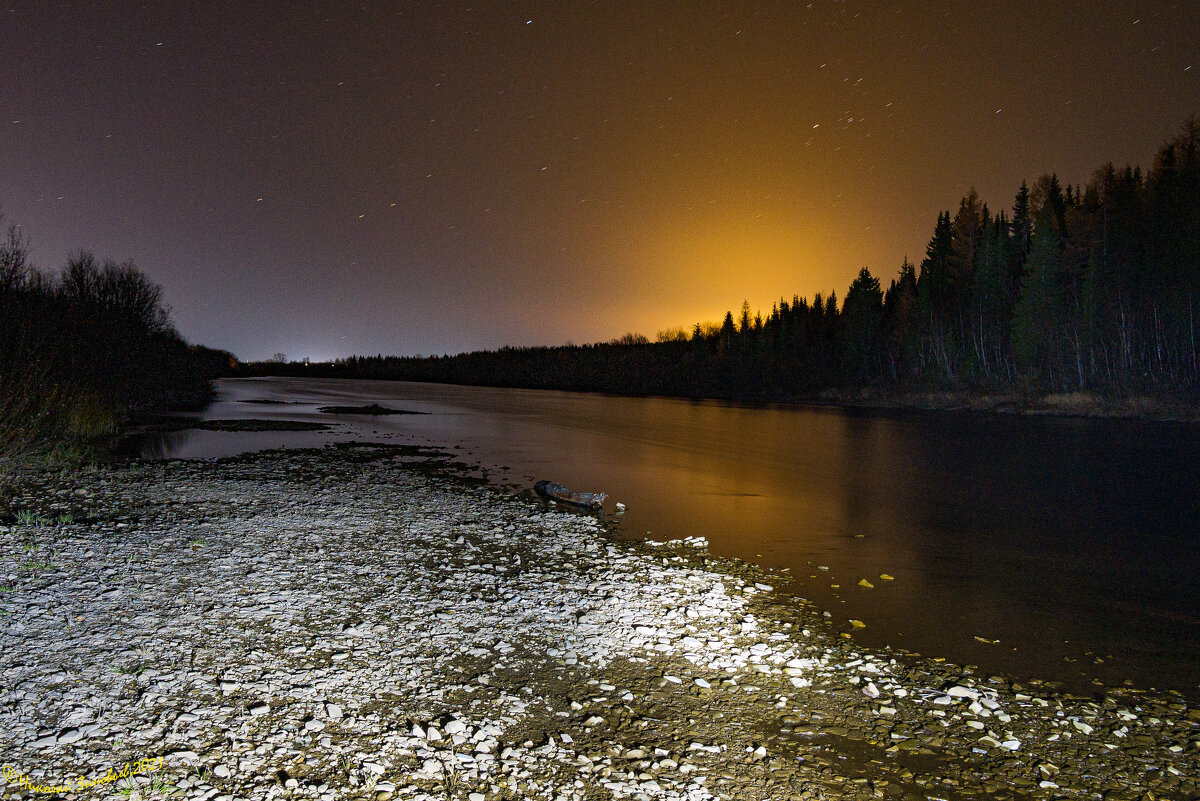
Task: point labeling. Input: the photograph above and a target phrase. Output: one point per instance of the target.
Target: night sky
(325, 179)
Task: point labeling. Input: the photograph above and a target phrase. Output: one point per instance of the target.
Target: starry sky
(331, 178)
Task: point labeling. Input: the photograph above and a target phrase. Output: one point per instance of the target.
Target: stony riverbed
(354, 623)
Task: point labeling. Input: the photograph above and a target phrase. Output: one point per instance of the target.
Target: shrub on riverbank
(85, 351)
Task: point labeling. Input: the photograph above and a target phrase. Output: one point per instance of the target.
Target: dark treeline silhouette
(86, 350)
(1081, 288)
(1090, 288)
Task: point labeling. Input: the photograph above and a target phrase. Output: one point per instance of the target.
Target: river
(1059, 548)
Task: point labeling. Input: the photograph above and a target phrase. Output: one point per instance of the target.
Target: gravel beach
(357, 622)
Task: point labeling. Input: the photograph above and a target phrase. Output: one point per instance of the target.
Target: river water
(1064, 549)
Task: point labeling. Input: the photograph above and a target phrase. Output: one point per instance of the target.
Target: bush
(84, 352)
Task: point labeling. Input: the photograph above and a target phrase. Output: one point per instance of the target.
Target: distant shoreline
(1072, 404)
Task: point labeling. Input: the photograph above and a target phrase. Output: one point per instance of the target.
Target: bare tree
(14, 260)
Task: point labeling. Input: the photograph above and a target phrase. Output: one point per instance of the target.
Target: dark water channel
(1059, 548)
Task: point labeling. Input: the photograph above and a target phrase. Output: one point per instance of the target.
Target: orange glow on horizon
(694, 272)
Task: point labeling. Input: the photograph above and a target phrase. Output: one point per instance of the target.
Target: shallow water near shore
(1059, 548)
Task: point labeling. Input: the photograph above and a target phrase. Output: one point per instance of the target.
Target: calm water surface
(1073, 543)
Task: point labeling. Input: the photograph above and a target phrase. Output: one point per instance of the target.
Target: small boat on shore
(553, 491)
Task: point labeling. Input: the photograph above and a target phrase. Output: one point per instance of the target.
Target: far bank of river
(1069, 404)
(1079, 403)
(1055, 547)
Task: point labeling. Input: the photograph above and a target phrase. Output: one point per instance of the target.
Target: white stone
(68, 736)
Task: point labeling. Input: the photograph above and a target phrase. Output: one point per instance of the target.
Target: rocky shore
(356, 623)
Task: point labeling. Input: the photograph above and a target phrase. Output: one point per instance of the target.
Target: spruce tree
(1035, 320)
(862, 315)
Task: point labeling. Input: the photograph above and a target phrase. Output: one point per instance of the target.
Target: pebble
(67, 736)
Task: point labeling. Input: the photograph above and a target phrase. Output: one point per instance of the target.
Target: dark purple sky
(324, 179)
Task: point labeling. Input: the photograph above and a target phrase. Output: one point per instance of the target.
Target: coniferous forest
(1092, 288)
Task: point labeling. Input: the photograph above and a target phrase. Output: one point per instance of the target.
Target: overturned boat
(553, 491)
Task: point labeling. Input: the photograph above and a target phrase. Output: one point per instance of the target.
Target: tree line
(1088, 288)
(87, 349)
(1091, 287)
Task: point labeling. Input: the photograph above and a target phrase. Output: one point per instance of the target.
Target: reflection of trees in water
(153, 445)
